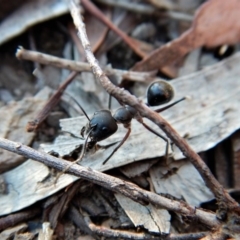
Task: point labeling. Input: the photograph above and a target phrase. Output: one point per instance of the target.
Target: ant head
(102, 125)
(159, 92)
(124, 114)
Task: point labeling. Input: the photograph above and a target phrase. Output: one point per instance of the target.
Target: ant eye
(159, 92)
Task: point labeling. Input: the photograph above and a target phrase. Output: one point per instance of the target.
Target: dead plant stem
(47, 59)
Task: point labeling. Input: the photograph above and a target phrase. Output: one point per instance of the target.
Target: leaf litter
(214, 25)
(206, 119)
(202, 102)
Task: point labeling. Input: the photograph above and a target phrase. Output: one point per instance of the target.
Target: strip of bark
(13, 219)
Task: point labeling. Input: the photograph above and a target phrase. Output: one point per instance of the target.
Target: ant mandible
(103, 124)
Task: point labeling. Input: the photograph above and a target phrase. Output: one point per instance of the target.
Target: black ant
(103, 124)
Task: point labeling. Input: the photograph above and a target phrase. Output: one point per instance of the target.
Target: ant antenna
(85, 145)
(74, 100)
(79, 159)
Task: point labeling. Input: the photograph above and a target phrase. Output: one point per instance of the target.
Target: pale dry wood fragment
(153, 219)
(181, 180)
(11, 232)
(25, 236)
(46, 233)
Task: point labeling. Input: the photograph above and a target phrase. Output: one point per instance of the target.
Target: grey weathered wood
(153, 219)
(13, 120)
(181, 180)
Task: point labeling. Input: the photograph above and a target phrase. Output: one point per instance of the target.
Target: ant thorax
(124, 115)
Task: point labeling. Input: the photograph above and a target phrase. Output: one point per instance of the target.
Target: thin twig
(114, 184)
(215, 236)
(132, 43)
(115, 233)
(51, 103)
(147, 9)
(80, 66)
(62, 205)
(225, 201)
(106, 232)
(136, 7)
(14, 219)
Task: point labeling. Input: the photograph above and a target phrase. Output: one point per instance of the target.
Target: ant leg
(119, 145)
(78, 160)
(109, 102)
(159, 135)
(170, 105)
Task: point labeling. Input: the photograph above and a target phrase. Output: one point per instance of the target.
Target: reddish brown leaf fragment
(216, 23)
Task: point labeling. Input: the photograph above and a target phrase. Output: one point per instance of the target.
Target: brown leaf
(216, 23)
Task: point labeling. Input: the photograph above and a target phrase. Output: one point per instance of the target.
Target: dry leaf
(31, 13)
(136, 169)
(123, 20)
(216, 23)
(13, 119)
(153, 219)
(181, 180)
(96, 30)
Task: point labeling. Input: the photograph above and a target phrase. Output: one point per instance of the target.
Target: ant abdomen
(159, 92)
(102, 125)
